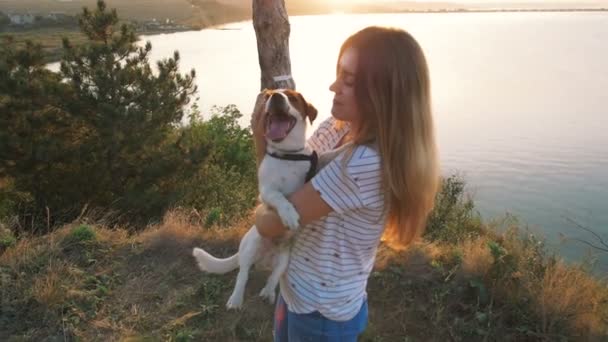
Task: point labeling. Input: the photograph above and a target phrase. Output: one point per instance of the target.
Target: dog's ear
(258, 107)
(311, 111)
(265, 94)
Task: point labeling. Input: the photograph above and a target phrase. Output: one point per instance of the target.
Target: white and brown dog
(287, 165)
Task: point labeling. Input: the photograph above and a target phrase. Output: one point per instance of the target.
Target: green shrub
(109, 136)
(7, 239)
(81, 235)
(225, 187)
(98, 134)
(454, 218)
(213, 217)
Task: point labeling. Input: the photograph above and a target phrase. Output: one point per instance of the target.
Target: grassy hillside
(467, 280)
(49, 39)
(194, 13)
(132, 9)
(87, 282)
(189, 14)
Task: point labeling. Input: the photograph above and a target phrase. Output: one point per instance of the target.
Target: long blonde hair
(392, 88)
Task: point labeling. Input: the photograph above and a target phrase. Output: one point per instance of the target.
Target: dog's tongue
(278, 127)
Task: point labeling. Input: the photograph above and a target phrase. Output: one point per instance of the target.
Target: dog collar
(313, 158)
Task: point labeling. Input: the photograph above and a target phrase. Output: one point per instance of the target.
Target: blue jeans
(314, 327)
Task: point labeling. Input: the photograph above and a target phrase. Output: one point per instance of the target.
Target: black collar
(313, 158)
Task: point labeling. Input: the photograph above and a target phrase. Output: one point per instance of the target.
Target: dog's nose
(277, 102)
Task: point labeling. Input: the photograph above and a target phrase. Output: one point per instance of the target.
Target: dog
(286, 166)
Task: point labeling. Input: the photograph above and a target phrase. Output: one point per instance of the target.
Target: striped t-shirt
(331, 258)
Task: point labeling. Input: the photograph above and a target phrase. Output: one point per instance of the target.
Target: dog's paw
(268, 294)
(235, 302)
(289, 216)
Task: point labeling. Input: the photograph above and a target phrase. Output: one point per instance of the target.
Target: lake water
(520, 101)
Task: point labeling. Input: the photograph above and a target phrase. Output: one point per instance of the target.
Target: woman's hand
(268, 223)
(308, 203)
(258, 123)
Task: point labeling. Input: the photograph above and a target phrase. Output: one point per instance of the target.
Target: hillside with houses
(180, 14)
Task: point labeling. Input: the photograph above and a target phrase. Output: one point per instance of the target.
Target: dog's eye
(292, 97)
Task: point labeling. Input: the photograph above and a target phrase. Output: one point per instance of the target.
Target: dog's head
(286, 112)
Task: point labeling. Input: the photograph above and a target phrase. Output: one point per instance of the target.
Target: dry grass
(567, 295)
(524, 280)
(48, 288)
(476, 257)
(146, 286)
(400, 294)
(26, 250)
(184, 227)
(165, 294)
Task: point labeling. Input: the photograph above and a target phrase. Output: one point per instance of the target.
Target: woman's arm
(308, 203)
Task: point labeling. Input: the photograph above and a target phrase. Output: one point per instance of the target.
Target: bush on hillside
(225, 188)
(105, 132)
(454, 218)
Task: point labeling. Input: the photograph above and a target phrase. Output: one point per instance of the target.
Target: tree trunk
(271, 25)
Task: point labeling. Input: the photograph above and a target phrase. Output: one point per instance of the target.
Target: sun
(340, 6)
(346, 2)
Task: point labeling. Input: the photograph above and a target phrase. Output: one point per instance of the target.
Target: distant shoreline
(405, 11)
(505, 10)
(219, 24)
(54, 53)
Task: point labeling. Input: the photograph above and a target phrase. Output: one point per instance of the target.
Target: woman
(383, 186)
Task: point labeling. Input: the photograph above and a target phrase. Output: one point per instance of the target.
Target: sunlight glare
(340, 6)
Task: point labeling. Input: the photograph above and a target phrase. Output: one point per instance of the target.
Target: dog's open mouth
(278, 126)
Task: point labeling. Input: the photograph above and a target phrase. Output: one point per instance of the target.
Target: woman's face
(345, 105)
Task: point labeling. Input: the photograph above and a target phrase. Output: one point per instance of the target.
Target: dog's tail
(209, 263)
